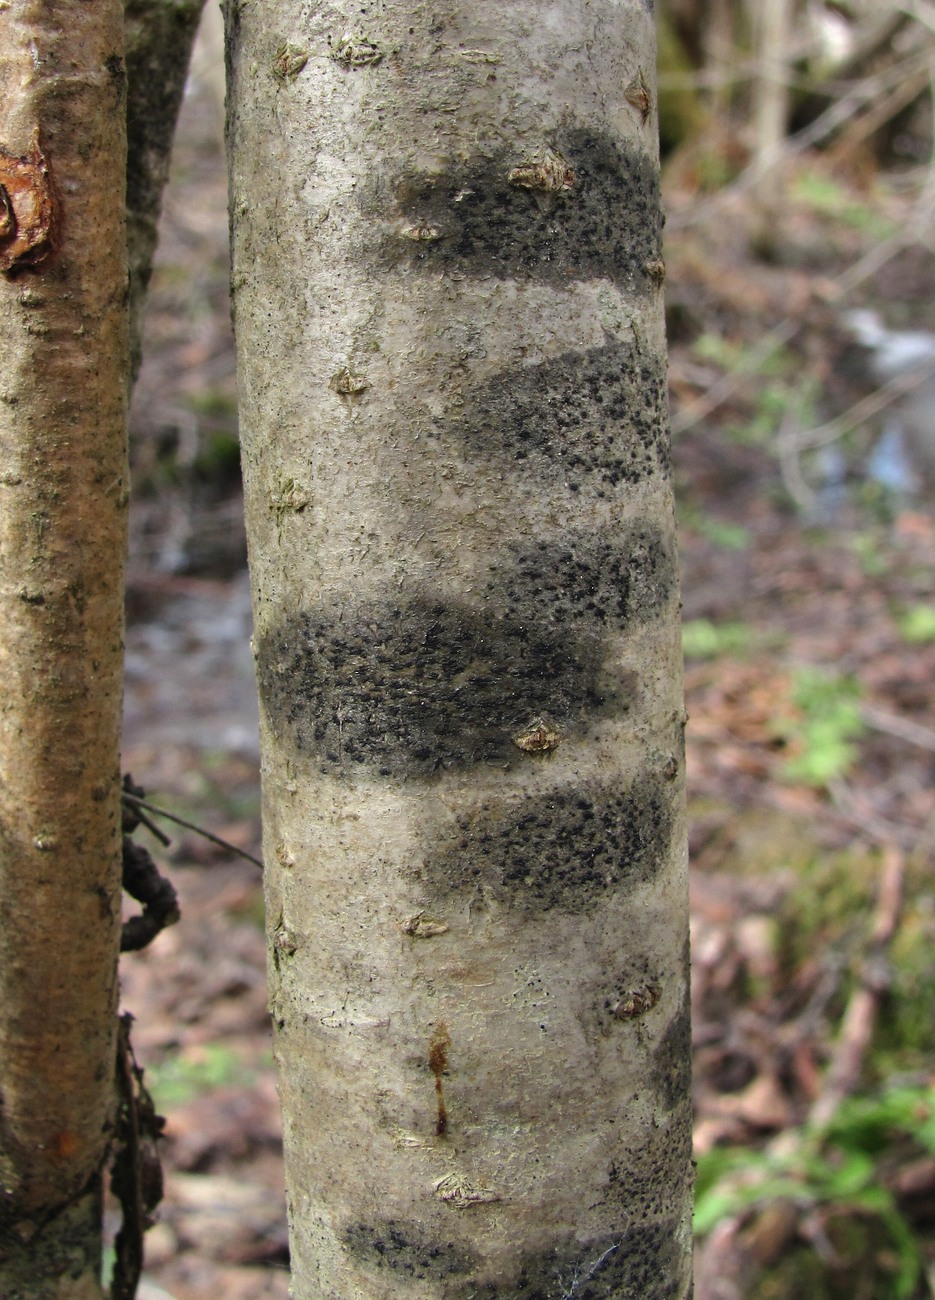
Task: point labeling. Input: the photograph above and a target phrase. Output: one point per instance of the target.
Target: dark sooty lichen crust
(566, 850)
(607, 224)
(648, 1181)
(598, 417)
(672, 1059)
(615, 581)
(406, 1250)
(417, 686)
(639, 1263)
(413, 687)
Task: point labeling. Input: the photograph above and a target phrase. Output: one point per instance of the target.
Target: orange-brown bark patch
(27, 208)
(438, 1064)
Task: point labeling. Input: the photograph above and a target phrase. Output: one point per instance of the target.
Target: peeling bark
(446, 268)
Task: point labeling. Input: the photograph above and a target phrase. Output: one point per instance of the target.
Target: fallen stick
(843, 1075)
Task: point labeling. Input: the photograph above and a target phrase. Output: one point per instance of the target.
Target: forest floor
(810, 641)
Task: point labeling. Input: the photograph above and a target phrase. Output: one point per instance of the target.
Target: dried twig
(875, 827)
(791, 441)
(856, 97)
(863, 410)
(137, 803)
(136, 1172)
(724, 1267)
(843, 1075)
(891, 724)
(865, 92)
(733, 381)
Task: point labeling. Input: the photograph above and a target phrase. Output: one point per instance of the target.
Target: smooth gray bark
(447, 290)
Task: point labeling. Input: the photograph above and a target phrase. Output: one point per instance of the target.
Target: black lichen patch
(598, 417)
(606, 224)
(406, 1250)
(614, 580)
(639, 1262)
(415, 687)
(672, 1059)
(565, 851)
(656, 1176)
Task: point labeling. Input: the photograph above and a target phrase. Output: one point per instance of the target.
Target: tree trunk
(447, 273)
(62, 539)
(159, 36)
(64, 371)
(772, 25)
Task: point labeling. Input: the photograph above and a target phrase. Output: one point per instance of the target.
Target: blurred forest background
(800, 187)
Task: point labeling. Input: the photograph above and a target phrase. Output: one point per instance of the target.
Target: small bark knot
(421, 926)
(289, 61)
(27, 208)
(458, 1190)
(348, 384)
(546, 171)
(638, 96)
(538, 737)
(354, 51)
(422, 232)
(286, 940)
(636, 1002)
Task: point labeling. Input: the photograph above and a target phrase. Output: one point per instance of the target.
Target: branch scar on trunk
(27, 208)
